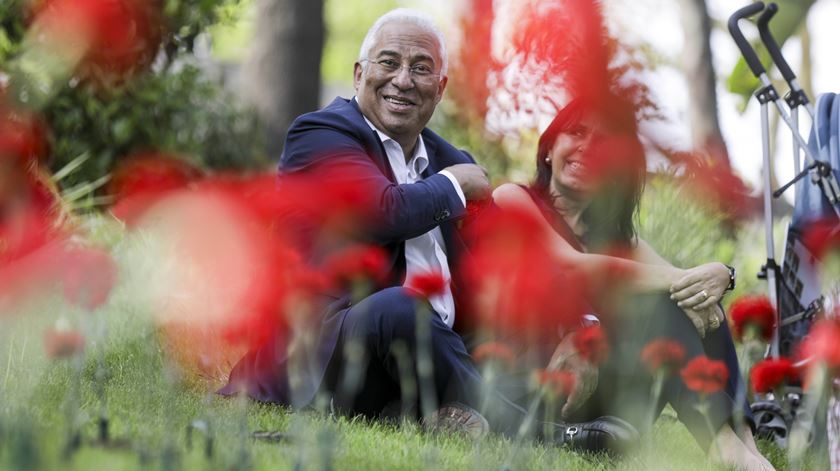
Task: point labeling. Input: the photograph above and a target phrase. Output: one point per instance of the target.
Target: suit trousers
(375, 363)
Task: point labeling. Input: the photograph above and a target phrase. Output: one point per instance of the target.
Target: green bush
(172, 108)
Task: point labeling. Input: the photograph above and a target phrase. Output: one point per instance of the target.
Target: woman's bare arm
(701, 313)
(646, 277)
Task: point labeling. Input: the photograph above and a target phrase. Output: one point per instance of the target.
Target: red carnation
(513, 282)
(63, 343)
(347, 206)
(704, 375)
(475, 210)
(358, 263)
(23, 137)
(88, 276)
(494, 351)
(664, 354)
(140, 180)
(821, 237)
(427, 284)
(591, 343)
(559, 383)
(822, 345)
(770, 374)
(119, 36)
(753, 313)
(150, 172)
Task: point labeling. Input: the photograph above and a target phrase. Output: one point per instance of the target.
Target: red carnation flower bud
(118, 36)
(509, 254)
(704, 375)
(63, 343)
(88, 276)
(24, 136)
(822, 345)
(150, 172)
(358, 263)
(426, 284)
(753, 312)
(140, 180)
(769, 374)
(822, 237)
(663, 354)
(591, 344)
(494, 352)
(559, 383)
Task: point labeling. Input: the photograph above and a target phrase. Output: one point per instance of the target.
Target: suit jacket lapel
(372, 143)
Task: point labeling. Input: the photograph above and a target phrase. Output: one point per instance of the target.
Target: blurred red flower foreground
(109, 37)
(753, 315)
(242, 261)
(63, 343)
(822, 345)
(426, 284)
(512, 282)
(498, 352)
(558, 383)
(770, 374)
(663, 354)
(704, 375)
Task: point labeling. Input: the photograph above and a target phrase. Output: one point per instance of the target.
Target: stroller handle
(771, 44)
(746, 50)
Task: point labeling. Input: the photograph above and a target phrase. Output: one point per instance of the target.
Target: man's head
(401, 74)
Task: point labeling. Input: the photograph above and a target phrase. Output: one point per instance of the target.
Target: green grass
(150, 406)
(150, 403)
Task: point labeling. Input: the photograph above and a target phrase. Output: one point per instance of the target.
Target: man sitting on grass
(421, 184)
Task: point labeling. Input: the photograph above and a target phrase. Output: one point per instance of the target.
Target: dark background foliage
(173, 107)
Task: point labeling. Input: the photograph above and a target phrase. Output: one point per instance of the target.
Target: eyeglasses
(420, 73)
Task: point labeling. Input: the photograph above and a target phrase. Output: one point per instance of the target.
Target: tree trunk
(805, 74)
(700, 73)
(284, 70)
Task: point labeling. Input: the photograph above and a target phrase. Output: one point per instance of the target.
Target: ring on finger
(714, 322)
(704, 294)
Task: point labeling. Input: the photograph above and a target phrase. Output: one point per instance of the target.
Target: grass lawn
(150, 409)
(150, 406)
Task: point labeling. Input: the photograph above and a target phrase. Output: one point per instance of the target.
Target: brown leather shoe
(458, 418)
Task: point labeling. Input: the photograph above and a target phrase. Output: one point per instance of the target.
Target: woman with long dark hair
(589, 180)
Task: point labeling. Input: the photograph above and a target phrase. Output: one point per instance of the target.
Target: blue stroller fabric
(799, 289)
(810, 203)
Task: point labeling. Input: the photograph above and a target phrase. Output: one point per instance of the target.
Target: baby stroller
(794, 287)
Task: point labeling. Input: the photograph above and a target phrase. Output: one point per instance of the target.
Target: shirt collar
(418, 162)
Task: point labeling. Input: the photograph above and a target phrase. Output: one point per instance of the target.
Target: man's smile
(397, 103)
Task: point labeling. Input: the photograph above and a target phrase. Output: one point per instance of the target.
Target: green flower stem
(524, 428)
(425, 368)
(703, 408)
(656, 392)
(751, 352)
(408, 383)
(488, 379)
(354, 355)
(818, 384)
(548, 424)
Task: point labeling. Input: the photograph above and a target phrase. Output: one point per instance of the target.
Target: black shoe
(459, 419)
(604, 434)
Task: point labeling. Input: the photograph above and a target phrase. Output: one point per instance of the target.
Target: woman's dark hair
(609, 216)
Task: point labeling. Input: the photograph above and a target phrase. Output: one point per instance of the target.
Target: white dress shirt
(427, 252)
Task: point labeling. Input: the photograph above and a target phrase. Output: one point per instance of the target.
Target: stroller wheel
(771, 422)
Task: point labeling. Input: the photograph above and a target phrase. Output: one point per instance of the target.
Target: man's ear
(357, 76)
(441, 88)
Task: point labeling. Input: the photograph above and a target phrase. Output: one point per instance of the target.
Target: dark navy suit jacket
(337, 137)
